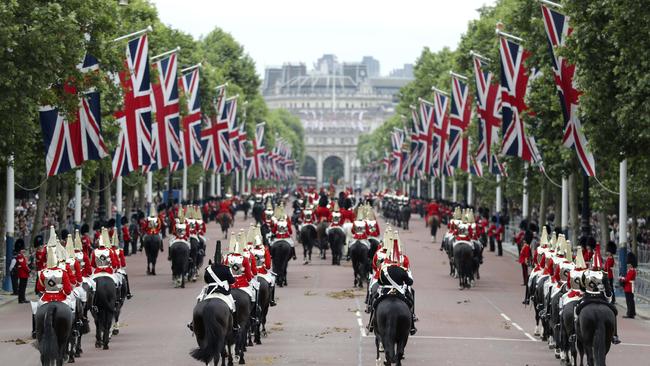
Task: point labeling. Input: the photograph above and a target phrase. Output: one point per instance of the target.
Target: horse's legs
(107, 318)
(98, 329)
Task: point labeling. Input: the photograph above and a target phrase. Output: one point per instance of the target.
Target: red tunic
(628, 284)
(274, 229)
(86, 268)
(126, 236)
(224, 207)
(374, 230)
(153, 230)
(323, 214)
(609, 267)
(86, 245)
(492, 230)
(59, 296)
(519, 237)
(432, 210)
(71, 275)
(347, 216)
(267, 262)
(22, 268)
(524, 254)
(77, 272)
(41, 258)
(498, 235)
(108, 269)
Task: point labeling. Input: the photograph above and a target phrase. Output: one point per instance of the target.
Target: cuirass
(236, 265)
(53, 280)
(102, 258)
(359, 227)
(259, 256)
(282, 227)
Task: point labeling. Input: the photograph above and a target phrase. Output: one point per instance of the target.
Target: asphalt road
(319, 318)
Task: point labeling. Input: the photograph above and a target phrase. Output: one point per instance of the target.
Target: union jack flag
(441, 131)
(233, 136)
(426, 121)
(497, 167)
(488, 108)
(166, 144)
(223, 153)
(514, 83)
(557, 30)
(397, 140)
(191, 135)
(134, 141)
(68, 145)
(459, 116)
(210, 134)
(476, 168)
(386, 162)
(256, 170)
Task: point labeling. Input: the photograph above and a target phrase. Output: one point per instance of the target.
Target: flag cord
(31, 189)
(550, 180)
(605, 188)
(96, 190)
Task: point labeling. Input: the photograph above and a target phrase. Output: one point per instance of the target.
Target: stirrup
(413, 330)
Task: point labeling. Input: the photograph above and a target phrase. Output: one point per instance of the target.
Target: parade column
(622, 218)
(565, 205)
(77, 197)
(9, 222)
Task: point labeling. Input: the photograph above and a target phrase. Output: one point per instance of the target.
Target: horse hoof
(77, 354)
(105, 347)
(242, 361)
(116, 331)
(264, 334)
(71, 360)
(98, 345)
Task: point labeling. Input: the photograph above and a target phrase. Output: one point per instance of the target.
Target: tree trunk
(142, 199)
(92, 205)
(557, 207)
(40, 209)
(604, 229)
(633, 231)
(574, 223)
(63, 204)
(106, 196)
(128, 203)
(542, 204)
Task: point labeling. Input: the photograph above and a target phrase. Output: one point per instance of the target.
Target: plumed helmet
(77, 240)
(61, 253)
(104, 240)
(565, 268)
(114, 242)
(69, 246)
(233, 245)
(52, 242)
(388, 236)
(597, 263)
(593, 281)
(579, 260)
(250, 235)
(543, 239)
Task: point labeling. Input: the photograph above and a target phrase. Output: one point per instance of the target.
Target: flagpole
(419, 191)
(184, 189)
(10, 206)
(134, 34)
(243, 181)
(432, 193)
(213, 183)
(165, 53)
(200, 195)
(236, 182)
(218, 185)
(498, 203)
(77, 198)
(565, 204)
(469, 191)
(524, 203)
(149, 188)
(118, 198)
(443, 187)
(454, 190)
(622, 218)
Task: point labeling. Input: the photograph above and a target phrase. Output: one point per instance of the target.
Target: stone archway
(333, 169)
(308, 168)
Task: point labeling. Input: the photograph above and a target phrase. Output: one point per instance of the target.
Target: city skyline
(289, 31)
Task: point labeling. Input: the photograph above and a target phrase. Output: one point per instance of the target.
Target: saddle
(387, 292)
(598, 299)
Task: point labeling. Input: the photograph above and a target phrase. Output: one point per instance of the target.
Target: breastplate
(236, 265)
(282, 227)
(358, 228)
(102, 258)
(259, 256)
(53, 280)
(381, 257)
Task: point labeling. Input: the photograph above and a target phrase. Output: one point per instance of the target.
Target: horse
(74, 343)
(434, 224)
(596, 323)
(105, 301)
(193, 270)
(212, 323)
(244, 206)
(554, 318)
(119, 302)
(392, 325)
(405, 216)
(539, 304)
(568, 331)
(242, 318)
(336, 237)
(447, 244)
(53, 327)
(280, 254)
(321, 238)
(263, 301)
(478, 258)
(258, 210)
(464, 262)
(307, 237)
(360, 264)
(179, 254)
(225, 221)
(152, 245)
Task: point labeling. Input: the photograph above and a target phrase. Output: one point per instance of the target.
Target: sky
(277, 31)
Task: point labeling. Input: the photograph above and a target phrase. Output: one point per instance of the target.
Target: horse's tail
(599, 343)
(211, 344)
(48, 345)
(389, 337)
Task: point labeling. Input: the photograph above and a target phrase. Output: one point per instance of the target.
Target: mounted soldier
(262, 260)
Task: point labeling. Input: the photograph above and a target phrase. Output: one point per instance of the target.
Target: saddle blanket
(209, 292)
(250, 291)
(70, 301)
(327, 231)
(116, 277)
(362, 241)
(180, 241)
(288, 240)
(269, 277)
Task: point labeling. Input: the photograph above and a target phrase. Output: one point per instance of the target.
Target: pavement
(320, 320)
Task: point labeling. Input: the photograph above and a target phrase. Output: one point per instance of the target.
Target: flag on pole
(426, 121)
(69, 144)
(233, 136)
(222, 152)
(256, 170)
(441, 131)
(134, 141)
(191, 136)
(488, 108)
(557, 30)
(476, 168)
(166, 144)
(459, 117)
(514, 83)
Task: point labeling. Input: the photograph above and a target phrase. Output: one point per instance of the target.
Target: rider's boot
(615, 338)
(33, 326)
(413, 329)
(293, 253)
(272, 301)
(129, 295)
(371, 326)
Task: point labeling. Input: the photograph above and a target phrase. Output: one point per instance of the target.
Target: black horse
(568, 330)
(225, 221)
(308, 236)
(258, 210)
(392, 325)
(242, 319)
(212, 323)
(464, 262)
(360, 263)
(121, 292)
(152, 245)
(244, 206)
(263, 303)
(434, 224)
(74, 343)
(321, 238)
(539, 303)
(179, 254)
(336, 237)
(193, 270)
(595, 330)
(280, 255)
(53, 327)
(405, 216)
(104, 309)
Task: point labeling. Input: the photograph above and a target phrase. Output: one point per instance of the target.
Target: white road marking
(362, 332)
(530, 336)
(518, 327)
(471, 338)
(505, 317)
